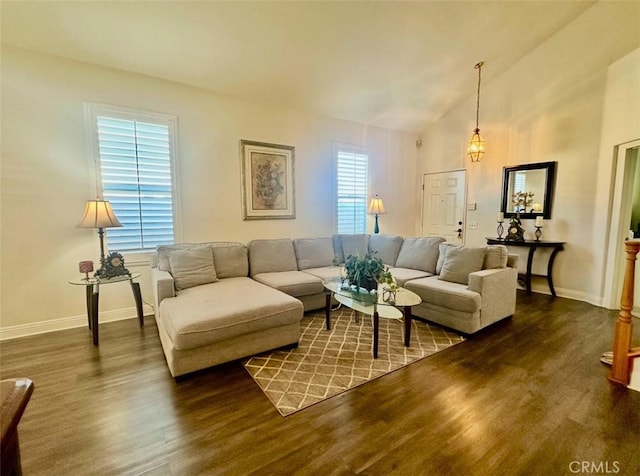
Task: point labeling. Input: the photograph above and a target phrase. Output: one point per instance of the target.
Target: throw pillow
(459, 262)
(495, 257)
(192, 267)
(419, 253)
(442, 250)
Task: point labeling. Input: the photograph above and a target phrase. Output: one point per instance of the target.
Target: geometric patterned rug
(327, 363)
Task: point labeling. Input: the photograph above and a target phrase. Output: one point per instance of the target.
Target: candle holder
(500, 230)
(538, 232)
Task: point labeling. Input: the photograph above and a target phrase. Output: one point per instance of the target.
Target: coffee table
(381, 304)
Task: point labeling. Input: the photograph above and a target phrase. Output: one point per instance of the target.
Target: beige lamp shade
(376, 207)
(99, 214)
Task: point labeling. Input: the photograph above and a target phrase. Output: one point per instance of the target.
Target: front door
(443, 198)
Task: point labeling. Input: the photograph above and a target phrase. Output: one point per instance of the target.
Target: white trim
(634, 381)
(91, 112)
(63, 323)
(620, 207)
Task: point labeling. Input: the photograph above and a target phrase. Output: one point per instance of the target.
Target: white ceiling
(391, 64)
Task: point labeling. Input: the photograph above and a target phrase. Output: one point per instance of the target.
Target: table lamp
(376, 207)
(99, 214)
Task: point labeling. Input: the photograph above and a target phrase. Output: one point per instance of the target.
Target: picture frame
(268, 182)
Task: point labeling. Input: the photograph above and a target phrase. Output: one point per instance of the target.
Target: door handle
(459, 230)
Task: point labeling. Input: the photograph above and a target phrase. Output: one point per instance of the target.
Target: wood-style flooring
(527, 396)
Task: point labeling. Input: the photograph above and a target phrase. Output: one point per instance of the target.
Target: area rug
(327, 363)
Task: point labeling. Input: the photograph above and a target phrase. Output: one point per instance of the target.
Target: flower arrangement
(522, 201)
(268, 182)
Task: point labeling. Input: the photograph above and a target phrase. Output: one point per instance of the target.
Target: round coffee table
(380, 304)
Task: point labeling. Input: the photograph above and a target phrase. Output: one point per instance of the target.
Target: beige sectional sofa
(219, 301)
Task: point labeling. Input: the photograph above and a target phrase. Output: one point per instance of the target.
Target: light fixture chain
(479, 68)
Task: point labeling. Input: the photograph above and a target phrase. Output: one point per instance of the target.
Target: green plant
(364, 272)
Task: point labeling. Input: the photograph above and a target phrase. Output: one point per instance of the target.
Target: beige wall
(550, 107)
(46, 178)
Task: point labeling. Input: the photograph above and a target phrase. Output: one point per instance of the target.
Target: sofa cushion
(442, 254)
(192, 267)
(231, 307)
(420, 253)
(385, 247)
(294, 283)
(402, 275)
(313, 252)
(356, 245)
(270, 256)
(162, 253)
(446, 294)
(230, 260)
(495, 256)
(325, 273)
(460, 261)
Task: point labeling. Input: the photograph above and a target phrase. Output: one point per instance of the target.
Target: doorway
(443, 199)
(625, 209)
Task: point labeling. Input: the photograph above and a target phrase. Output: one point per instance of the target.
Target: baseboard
(569, 294)
(24, 330)
(634, 382)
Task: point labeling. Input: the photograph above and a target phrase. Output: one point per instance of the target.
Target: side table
(533, 245)
(92, 289)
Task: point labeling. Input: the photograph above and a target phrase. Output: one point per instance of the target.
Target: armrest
(162, 283)
(497, 288)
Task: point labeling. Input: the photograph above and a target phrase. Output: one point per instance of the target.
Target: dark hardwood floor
(527, 396)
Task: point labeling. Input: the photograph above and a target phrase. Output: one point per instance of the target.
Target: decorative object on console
(515, 231)
(268, 190)
(364, 272)
(475, 151)
(376, 207)
(86, 267)
(500, 229)
(99, 214)
(538, 226)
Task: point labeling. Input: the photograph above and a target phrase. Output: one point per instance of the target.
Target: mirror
(528, 189)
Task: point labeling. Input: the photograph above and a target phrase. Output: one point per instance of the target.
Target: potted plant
(364, 272)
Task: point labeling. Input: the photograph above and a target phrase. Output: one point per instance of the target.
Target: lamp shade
(376, 207)
(99, 214)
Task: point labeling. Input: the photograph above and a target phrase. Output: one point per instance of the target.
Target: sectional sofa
(219, 301)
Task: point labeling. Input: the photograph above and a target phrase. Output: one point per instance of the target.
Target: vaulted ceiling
(391, 64)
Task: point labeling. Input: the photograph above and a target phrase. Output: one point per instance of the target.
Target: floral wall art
(268, 190)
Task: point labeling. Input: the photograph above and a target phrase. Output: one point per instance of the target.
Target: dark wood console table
(533, 245)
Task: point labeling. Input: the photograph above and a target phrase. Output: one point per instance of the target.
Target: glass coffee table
(381, 304)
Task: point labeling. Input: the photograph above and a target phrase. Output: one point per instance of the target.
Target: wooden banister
(622, 351)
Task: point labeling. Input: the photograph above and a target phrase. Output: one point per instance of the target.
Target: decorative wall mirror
(528, 190)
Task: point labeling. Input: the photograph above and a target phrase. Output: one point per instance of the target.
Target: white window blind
(136, 175)
(352, 183)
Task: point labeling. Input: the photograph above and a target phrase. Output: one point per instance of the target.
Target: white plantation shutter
(352, 183)
(136, 174)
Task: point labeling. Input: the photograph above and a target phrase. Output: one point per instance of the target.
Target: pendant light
(475, 151)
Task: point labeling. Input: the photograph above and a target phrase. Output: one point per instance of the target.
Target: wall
(46, 178)
(549, 107)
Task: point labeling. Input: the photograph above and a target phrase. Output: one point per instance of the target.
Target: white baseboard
(634, 382)
(24, 330)
(567, 293)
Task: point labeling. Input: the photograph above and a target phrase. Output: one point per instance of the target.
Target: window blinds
(352, 180)
(135, 165)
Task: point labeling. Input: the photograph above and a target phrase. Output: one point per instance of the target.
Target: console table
(92, 288)
(533, 245)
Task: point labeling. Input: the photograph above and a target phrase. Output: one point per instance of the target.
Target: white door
(443, 198)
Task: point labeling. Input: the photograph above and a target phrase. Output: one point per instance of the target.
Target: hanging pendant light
(475, 151)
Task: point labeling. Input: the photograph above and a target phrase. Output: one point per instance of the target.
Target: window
(134, 155)
(352, 180)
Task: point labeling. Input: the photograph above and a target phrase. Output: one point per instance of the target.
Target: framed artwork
(268, 190)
